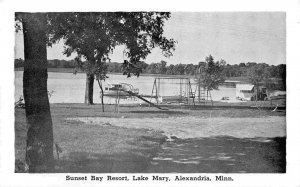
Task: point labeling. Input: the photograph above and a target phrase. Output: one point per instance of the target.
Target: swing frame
(186, 93)
(185, 90)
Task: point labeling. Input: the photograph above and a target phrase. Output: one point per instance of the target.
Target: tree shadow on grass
(222, 155)
(84, 162)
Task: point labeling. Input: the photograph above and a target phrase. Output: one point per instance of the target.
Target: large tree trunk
(39, 143)
(89, 89)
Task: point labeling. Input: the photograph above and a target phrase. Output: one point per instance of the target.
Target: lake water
(70, 88)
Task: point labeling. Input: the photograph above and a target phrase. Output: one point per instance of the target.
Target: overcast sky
(235, 37)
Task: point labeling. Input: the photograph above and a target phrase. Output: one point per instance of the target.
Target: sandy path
(194, 127)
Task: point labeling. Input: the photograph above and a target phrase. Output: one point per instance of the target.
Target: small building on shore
(244, 92)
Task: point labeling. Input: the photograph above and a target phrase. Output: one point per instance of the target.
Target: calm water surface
(70, 88)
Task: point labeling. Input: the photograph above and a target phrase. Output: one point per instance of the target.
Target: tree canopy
(94, 35)
(210, 73)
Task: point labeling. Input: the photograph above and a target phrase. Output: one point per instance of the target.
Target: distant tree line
(229, 71)
(55, 63)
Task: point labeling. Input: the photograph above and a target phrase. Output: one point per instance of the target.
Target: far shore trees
(93, 36)
(236, 71)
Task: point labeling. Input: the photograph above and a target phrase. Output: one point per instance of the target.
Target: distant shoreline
(71, 70)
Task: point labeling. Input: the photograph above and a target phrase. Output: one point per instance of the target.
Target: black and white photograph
(153, 92)
(150, 96)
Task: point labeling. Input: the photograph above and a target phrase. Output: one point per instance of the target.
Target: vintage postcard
(151, 97)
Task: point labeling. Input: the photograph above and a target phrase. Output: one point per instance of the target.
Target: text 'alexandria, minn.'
(147, 178)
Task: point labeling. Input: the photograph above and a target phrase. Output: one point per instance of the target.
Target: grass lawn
(112, 147)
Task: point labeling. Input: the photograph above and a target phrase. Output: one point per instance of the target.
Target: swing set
(187, 91)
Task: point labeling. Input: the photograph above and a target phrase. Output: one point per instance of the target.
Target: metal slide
(140, 97)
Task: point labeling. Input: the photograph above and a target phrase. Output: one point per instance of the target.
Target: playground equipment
(183, 91)
(125, 90)
(112, 89)
(165, 90)
(204, 95)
